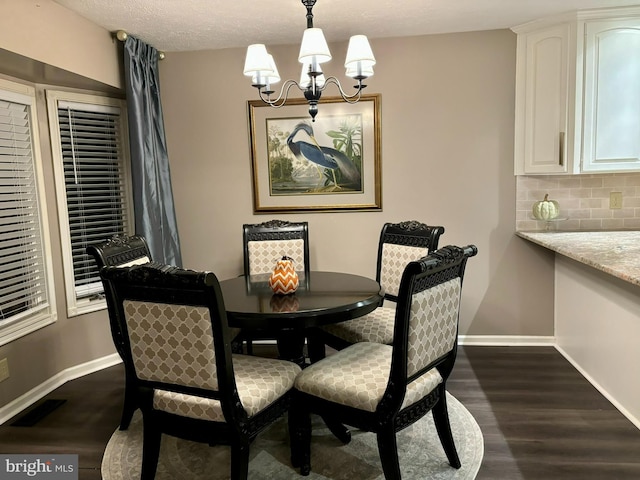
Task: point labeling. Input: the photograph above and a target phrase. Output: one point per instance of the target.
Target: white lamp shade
(265, 77)
(314, 48)
(359, 51)
(305, 79)
(257, 60)
(353, 71)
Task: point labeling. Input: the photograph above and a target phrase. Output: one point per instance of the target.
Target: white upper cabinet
(611, 117)
(542, 100)
(578, 94)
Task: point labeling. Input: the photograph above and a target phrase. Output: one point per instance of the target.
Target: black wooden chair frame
(164, 284)
(439, 267)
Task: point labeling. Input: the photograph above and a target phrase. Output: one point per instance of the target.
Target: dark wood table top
(322, 298)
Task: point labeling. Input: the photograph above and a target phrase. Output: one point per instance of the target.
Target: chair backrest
(120, 251)
(401, 243)
(265, 243)
(176, 335)
(427, 314)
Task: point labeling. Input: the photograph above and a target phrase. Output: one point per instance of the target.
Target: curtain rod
(122, 36)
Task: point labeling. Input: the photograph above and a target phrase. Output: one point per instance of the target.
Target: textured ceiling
(184, 25)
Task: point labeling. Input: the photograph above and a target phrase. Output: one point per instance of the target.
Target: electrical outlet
(4, 369)
(615, 200)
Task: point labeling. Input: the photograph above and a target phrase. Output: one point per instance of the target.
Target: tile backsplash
(583, 200)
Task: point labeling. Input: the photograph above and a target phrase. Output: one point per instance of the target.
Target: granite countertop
(616, 253)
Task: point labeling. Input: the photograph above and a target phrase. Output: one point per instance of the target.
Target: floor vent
(37, 413)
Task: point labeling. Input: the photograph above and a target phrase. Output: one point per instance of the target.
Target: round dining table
(321, 298)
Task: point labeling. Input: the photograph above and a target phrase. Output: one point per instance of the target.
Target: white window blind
(92, 167)
(94, 183)
(23, 276)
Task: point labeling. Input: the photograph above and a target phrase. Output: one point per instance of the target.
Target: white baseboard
(599, 387)
(32, 396)
(507, 340)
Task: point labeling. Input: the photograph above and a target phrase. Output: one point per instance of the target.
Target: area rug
(421, 455)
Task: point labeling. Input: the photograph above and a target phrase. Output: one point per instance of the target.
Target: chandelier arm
(354, 98)
(282, 97)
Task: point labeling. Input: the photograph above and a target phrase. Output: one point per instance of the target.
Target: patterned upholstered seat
(385, 388)
(266, 243)
(121, 251)
(400, 243)
(188, 382)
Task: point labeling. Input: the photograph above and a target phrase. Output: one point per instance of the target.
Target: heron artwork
(324, 159)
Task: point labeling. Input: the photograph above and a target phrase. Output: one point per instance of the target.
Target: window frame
(81, 305)
(22, 325)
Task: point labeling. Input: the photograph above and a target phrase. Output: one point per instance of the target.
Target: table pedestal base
(291, 346)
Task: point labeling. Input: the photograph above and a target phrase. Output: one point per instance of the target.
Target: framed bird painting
(329, 164)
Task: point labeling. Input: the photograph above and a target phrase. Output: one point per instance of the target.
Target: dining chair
(121, 251)
(385, 388)
(399, 244)
(125, 251)
(263, 245)
(187, 381)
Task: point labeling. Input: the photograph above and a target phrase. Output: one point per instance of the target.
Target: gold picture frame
(331, 164)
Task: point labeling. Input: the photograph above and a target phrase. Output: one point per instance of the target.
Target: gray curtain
(152, 193)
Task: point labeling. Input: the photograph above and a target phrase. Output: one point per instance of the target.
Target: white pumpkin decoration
(546, 209)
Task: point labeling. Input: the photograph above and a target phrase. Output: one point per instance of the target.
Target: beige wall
(584, 297)
(447, 158)
(49, 33)
(32, 33)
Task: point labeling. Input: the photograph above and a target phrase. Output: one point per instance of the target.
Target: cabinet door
(611, 111)
(542, 101)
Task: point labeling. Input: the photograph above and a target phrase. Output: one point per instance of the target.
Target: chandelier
(260, 66)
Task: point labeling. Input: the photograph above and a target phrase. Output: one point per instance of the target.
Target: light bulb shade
(314, 48)
(353, 71)
(264, 79)
(271, 77)
(359, 51)
(257, 60)
(305, 79)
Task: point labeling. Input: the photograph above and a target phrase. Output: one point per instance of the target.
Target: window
(91, 166)
(26, 272)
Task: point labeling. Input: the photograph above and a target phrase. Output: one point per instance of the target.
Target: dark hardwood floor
(540, 418)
